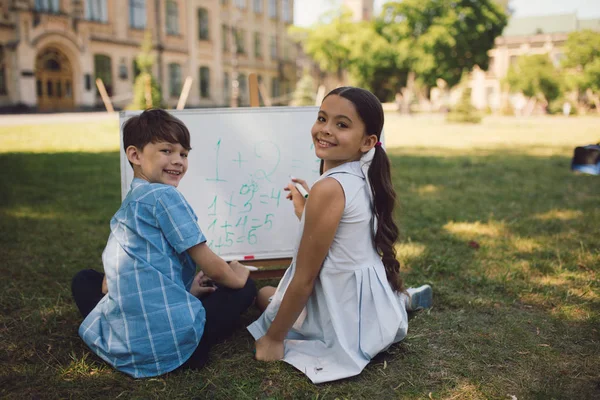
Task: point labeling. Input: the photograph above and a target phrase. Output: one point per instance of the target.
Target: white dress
(352, 313)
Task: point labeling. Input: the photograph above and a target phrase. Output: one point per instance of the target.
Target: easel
(256, 91)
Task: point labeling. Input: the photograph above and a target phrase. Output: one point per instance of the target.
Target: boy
(144, 317)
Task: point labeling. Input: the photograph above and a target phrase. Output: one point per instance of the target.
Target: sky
(307, 12)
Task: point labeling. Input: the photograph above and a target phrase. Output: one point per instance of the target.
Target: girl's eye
(321, 119)
(184, 155)
(342, 125)
(166, 151)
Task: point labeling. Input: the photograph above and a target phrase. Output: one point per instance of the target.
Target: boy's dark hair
(152, 126)
(369, 109)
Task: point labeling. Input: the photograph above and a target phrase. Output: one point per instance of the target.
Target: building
(523, 36)
(51, 51)
(362, 10)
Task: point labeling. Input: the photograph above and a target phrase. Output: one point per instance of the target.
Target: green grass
(519, 315)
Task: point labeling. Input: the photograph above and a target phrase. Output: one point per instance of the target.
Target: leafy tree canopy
(535, 76)
(442, 38)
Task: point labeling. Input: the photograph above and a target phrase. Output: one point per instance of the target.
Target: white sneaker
(419, 298)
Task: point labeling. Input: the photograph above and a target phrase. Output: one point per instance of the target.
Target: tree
(372, 62)
(582, 57)
(338, 43)
(145, 83)
(327, 43)
(304, 95)
(536, 77)
(442, 38)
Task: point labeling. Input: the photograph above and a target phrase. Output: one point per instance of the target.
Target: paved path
(30, 119)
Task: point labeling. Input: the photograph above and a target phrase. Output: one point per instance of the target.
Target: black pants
(223, 309)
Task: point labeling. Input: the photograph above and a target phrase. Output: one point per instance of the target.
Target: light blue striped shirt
(148, 324)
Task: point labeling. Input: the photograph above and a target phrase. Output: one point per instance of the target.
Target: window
(273, 8)
(240, 40)
(241, 4)
(95, 10)
(172, 18)
(51, 6)
(243, 85)
(103, 70)
(137, 14)
(490, 70)
(226, 88)
(202, 24)
(204, 82)
(123, 70)
(257, 45)
(274, 88)
(225, 34)
(174, 79)
(513, 60)
(224, 2)
(258, 6)
(274, 47)
(287, 11)
(286, 50)
(2, 79)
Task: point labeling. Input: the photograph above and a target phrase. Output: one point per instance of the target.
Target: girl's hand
(268, 349)
(202, 285)
(296, 197)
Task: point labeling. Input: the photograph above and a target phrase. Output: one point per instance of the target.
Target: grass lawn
(490, 215)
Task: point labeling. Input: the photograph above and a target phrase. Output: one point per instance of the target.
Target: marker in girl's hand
(300, 188)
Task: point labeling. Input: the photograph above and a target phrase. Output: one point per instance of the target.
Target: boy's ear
(133, 155)
(368, 143)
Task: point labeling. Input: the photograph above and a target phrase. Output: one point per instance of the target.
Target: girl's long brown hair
(370, 111)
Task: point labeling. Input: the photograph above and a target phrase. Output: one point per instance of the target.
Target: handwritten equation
(245, 206)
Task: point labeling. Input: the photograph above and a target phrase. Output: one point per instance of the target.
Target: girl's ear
(368, 143)
(133, 155)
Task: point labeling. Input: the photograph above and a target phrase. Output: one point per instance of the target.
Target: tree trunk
(407, 92)
(595, 99)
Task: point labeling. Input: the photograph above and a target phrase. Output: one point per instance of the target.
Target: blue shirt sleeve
(177, 221)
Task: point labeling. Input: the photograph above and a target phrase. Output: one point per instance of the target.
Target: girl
(341, 301)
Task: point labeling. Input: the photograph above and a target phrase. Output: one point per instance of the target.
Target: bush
(464, 111)
(304, 95)
(139, 93)
(556, 107)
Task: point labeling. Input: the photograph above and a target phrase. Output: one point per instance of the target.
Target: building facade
(362, 10)
(523, 36)
(52, 51)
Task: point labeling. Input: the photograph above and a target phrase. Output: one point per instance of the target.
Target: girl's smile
(339, 135)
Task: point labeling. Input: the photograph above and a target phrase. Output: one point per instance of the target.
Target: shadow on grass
(508, 240)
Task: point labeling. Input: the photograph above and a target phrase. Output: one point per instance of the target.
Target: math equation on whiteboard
(237, 191)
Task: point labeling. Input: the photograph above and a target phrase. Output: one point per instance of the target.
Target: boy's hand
(202, 285)
(241, 272)
(268, 349)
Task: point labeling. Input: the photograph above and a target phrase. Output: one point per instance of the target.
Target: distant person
(152, 313)
(341, 301)
(566, 108)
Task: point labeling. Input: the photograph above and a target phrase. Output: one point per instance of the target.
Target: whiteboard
(241, 160)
